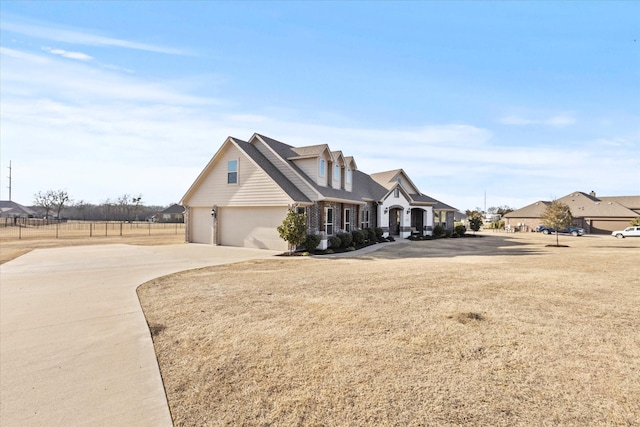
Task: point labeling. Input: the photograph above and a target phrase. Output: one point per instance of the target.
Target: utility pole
(9, 180)
(485, 201)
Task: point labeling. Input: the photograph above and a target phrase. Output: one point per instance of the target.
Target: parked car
(574, 231)
(627, 232)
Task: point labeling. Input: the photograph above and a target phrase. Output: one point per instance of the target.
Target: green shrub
(438, 231)
(358, 237)
(335, 242)
(371, 234)
(346, 239)
(311, 242)
(460, 230)
(448, 232)
(378, 231)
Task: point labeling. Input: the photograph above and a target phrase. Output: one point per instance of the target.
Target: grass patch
(496, 331)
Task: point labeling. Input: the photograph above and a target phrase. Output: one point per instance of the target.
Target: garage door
(200, 223)
(607, 226)
(251, 227)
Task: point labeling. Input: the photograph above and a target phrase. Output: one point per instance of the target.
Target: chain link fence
(31, 228)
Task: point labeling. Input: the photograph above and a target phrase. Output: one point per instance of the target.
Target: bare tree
(45, 201)
(59, 199)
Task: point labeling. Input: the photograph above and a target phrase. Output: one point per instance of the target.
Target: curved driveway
(74, 344)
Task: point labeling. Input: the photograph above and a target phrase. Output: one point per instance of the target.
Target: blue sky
(525, 101)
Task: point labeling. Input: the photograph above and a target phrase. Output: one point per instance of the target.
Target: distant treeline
(106, 211)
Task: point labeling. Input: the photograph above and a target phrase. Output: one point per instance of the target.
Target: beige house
(597, 215)
(245, 190)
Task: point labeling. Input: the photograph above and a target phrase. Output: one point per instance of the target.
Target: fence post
(90, 229)
(149, 228)
(121, 229)
(57, 226)
(106, 224)
(20, 232)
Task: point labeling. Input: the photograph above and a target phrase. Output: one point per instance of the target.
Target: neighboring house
(9, 209)
(245, 190)
(596, 215)
(174, 213)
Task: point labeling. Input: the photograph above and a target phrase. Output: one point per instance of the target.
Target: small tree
(635, 221)
(475, 221)
(293, 229)
(558, 216)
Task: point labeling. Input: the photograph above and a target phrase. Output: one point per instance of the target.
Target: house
(174, 213)
(597, 215)
(244, 192)
(10, 209)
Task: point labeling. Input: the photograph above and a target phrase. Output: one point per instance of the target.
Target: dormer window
(232, 172)
(321, 167)
(348, 176)
(336, 173)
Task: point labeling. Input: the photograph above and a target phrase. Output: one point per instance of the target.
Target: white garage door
(251, 227)
(201, 224)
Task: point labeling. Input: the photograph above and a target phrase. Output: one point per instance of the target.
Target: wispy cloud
(559, 120)
(66, 54)
(65, 120)
(45, 31)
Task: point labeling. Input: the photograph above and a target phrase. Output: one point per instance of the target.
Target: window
(336, 173)
(348, 176)
(232, 172)
(321, 167)
(328, 220)
(365, 219)
(300, 210)
(347, 220)
(396, 192)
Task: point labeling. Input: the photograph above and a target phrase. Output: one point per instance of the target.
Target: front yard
(498, 330)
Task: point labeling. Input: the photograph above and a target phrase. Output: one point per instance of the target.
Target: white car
(627, 232)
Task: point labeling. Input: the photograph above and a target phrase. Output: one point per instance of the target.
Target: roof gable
(252, 154)
(389, 178)
(533, 210)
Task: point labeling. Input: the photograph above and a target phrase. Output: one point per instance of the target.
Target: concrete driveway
(74, 344)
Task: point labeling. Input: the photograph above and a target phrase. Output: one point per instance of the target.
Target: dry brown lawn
(11, 249)
(498, 330)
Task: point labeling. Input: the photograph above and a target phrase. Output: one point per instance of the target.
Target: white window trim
(347, 219)
(237, 171)
(327, 223)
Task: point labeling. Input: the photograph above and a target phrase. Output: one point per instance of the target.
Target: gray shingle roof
(310, 151)
(533, 210)
(10, 208)
(583, 205)
(273, 172)
(365, 187)
(174, 209)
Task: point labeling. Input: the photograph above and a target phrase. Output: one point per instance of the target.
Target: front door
(417, 219)
(394, 221)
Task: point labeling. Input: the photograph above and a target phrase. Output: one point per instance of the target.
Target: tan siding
(309, 167)
(406, 184)
(254, 188)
